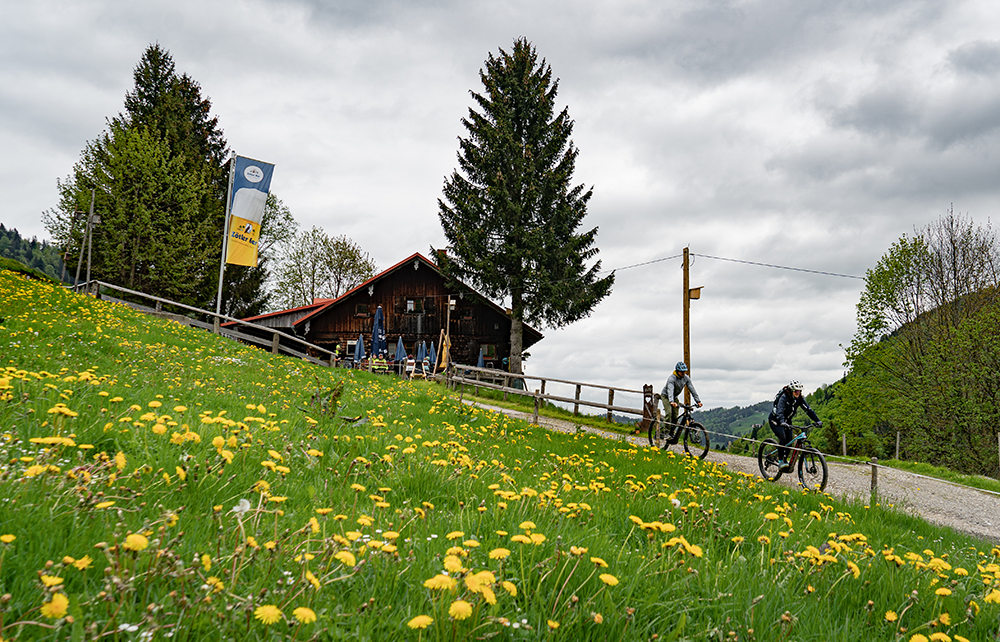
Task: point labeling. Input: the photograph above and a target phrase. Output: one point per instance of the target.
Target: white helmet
(795, 384)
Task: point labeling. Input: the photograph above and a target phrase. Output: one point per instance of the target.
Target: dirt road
(963, 508)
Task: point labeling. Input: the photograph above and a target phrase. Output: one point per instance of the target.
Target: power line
(780, 267)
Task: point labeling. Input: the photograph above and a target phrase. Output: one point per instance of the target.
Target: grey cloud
(980, 57)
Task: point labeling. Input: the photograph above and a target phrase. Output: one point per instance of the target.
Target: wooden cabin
(414, 300)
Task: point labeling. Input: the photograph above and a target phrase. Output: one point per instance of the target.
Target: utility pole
(689, 293)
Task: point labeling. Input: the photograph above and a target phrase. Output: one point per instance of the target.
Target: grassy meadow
(160, 483)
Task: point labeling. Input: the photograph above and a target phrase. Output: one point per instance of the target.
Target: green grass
(159, 481)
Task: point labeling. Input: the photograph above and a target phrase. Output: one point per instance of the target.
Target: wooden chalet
(414, 300)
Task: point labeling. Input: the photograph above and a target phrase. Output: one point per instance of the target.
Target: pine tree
(510, 213)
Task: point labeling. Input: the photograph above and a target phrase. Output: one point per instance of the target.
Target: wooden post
(216, 325)
(543, 391)
(506, 380)
(874, 476)
(274, 343)
(576, 406)
(687, 322)
(843, 442)
(611, 402)
(534, 418)
(478, 376)
(897, 445)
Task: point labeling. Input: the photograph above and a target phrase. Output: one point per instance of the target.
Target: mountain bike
(811, 462)
(662, 433)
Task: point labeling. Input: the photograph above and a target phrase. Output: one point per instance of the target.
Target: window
(361, 310)
(489, 351)
(414, 306)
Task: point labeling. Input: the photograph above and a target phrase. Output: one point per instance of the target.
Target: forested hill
(733, 421)
(40, 255)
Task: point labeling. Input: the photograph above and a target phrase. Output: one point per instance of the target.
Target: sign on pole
(251, 184)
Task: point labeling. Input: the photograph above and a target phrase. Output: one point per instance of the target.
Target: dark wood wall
(472, 323)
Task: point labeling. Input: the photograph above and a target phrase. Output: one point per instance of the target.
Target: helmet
(795, 384)
(681, 367)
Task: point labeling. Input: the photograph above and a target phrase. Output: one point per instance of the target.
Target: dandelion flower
(890, 616)
(57, 607)
(527, 526)
(83, 563)
(7, 539)
(50, 580)
(938, 636)
(453, 564)
(268, 614)
(553, 624)
(599, 562)
(943, 591)
(510, 588)
(918, 638)
(440, 582)
(499, 553)
(455, 535)
(304, 615)
(346, 558)
(135, 542)
(609, 579)
(460, 609)
(420, 622)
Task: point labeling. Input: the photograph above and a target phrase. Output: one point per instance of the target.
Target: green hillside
(163, 483)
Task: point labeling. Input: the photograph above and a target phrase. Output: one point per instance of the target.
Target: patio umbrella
(379, 346)
(400, 351)
(422, 351)
(432, 355)
(359, 349)
(480, 363)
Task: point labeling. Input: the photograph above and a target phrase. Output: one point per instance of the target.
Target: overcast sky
(803, 134)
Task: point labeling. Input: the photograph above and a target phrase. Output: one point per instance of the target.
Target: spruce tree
(510, 212)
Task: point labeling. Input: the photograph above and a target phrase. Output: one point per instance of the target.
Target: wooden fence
(458, 375)
(278, 342)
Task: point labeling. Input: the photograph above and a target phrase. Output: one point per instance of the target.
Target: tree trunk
(516, 332)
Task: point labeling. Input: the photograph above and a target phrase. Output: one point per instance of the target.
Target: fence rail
(279, 342)
(462, 375)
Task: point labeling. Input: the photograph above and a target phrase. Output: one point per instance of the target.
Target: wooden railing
(279, 342)
(458, 375)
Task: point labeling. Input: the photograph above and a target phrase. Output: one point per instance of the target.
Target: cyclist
(789, 400)
(676, 382)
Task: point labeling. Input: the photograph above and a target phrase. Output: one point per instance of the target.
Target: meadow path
(962, 508)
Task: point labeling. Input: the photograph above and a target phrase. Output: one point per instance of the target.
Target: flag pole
(225, 238)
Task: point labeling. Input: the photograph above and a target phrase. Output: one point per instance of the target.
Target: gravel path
(962, 508)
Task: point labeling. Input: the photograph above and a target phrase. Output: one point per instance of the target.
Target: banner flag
(251, 184)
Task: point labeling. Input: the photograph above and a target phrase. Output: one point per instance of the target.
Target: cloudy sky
(801, 134)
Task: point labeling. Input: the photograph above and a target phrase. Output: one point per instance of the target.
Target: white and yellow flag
(251, 184)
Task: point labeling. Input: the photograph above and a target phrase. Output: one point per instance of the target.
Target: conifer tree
(510, 212)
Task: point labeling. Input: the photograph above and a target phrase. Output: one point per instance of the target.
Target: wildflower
(206, 562)
(890, 616)
(521, 539)
(83, 563)
(553, 624)
(56, 608)
(499, 553)
(346, 558)
(943, 591)
(452, 564)
(304, 615)
(420, 622)
(764, 539)
(537, 538)
(940, 637)
(599, 562)
(771, 516)
(7, 539)
(738, 539)
(510, 588)
(460, 609)
(857, 571)
(440, 582)
(455, 535)
(609, 579)
(527, 526)
(135, 542)
(268, 614)
(577, 550)
(918, 638)
(945, 619)
(598, 618)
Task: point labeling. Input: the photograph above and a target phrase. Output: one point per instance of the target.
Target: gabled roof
(318, 307)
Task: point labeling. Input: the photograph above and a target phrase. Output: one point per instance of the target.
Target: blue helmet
(681, 367)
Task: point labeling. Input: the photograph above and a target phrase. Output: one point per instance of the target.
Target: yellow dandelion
(499, 553)
(553, 624)
(268, 614)
(135, 542)
(460, 609)
(440, 582)
(609, 579)
(346, 558)
(599, 562)
(890, 616)
(304, 615)
(83, 563)
(944, 592)
(420, 622)
(7, 539)
(455, 535)
(57, 607)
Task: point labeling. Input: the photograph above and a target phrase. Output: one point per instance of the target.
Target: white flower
(242, 507)
(676, 502)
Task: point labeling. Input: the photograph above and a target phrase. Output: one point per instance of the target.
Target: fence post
(534, 418)
(874, 476)
(478, 375)
(576, 406)
(843, 441)
(274, 343)
(216, 326)
(543, 392)
(897, 445)
(611, 402)
(506, 381)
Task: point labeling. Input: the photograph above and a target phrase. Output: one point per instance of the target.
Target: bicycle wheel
(812, 469)
(654, 433)
(767, 460)
(696, 440)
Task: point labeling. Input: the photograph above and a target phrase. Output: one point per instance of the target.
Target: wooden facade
(414, 301)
